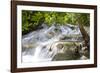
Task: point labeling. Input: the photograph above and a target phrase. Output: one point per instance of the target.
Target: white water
(41, 41)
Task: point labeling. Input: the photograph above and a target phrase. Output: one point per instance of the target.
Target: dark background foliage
(31, 20)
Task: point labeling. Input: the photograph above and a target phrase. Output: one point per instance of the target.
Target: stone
(60, 46)
(83, 57)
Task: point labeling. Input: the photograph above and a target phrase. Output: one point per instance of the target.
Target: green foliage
(31, 20)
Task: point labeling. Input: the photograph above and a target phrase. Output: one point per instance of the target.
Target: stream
(45, 43)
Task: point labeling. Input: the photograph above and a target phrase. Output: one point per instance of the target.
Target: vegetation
(31, 20)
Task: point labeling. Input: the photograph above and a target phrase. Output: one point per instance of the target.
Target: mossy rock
(68, 55)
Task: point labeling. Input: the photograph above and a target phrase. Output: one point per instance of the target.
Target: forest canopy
(31, 20)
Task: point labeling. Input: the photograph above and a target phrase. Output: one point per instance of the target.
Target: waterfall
(37, 52)
(40, 41)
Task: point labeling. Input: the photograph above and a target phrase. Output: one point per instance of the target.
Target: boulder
(59, 46)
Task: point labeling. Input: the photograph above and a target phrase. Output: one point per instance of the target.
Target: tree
(31, 20)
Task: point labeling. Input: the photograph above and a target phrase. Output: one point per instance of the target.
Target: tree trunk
(85, 35)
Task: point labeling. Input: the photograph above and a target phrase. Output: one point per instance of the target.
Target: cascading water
(37, 44)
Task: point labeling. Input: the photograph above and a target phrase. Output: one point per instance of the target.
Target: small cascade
(39, 42)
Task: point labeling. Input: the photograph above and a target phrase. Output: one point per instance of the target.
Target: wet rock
(59, 46)
(67, 55)
(76, 50)
(71, 52)
(85, 50)
(83, 57)
(85, 53)
(28, 46)
(50, 34)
